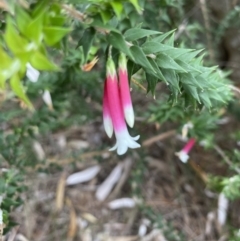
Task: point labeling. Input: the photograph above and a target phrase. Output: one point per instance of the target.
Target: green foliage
(27, 33)
(194, 92)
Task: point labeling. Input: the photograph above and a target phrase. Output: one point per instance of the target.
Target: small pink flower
(125, 90)
(183, 154)
(113, 100)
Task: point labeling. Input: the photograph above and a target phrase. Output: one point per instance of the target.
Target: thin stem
(207, 24)
(225, 158)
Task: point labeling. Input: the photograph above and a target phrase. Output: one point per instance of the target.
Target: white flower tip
(47, 99)
(129, 116)
(183, 156)
(32, 73)
(108, 126)
(125, 141)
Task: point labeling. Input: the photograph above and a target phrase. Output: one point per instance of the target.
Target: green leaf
(19, 91)
(137, 33)
(86, 41)
(152, 82)
(136, 5)
(132, 68)
(140, 58)
(40, 62)
(53, 35)
(187, 67)
(117, 7)
(40, 7)
(118, 42)
(171, 79)
(158, 73)
(2, 81)
(177, 52)
(163, 36)
(192, 91)
(188, 57)
(188, 78)
(167, 62)
(14, 42)
(6, 61)
(22, 18)
(170, 41)
(105, 15)
(151, 47)
(205, 99)
(34, 29)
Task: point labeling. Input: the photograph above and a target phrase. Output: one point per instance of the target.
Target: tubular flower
(113, 100)
(107, 121)
(183, 154)
(125, 91)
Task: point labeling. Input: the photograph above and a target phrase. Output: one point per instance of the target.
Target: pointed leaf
(22, 18)
(118, 42)
(19, 91)
(140, 58)
(152, 82)
(86, 41)
(151, 47)
(34, 29)
(158, 73)
(192, 91)
(14, 42)
(136, 5)
(40, 62)
(171, 78)
(117, 7)
(137, 33)
(53, 35)
(163, 36)
(167, 62)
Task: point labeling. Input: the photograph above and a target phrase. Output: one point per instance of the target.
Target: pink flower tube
(107, 121)
(124, 140)
(125, 90)
(183, 154)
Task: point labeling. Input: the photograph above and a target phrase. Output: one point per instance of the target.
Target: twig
(204, 10)
(73, 12)
(138, 84)
(225, 158)
(199, 171)
(159, 137)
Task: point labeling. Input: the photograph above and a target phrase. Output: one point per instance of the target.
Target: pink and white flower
(107, 121)
(125, 90)
(183, 154)
(113, 110)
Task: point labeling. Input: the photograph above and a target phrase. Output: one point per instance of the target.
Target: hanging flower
(183, 154)
(125, 91)
(107, 121)
(113, 100)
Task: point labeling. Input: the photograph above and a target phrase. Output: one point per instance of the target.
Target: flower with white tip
(125, 90)
(183, 154)
(107, 121)
(113, 100)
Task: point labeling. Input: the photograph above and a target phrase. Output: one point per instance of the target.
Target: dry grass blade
(60, 192)
(72, 229)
